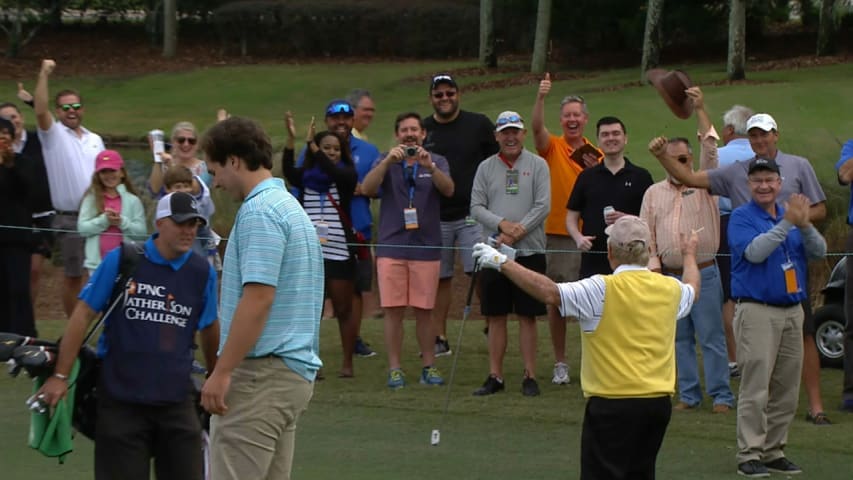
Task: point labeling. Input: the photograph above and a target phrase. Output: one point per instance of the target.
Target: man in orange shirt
(567, 156)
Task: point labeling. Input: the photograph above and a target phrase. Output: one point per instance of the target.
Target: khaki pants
(255, 438)
(770, 359)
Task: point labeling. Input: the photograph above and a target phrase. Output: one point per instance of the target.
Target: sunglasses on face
(71, 106)
(446, 93)
(683, 158)
(510, 119)
(190, 140)
(338, 108)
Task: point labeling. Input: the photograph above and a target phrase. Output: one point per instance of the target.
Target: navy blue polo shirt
(765, 281)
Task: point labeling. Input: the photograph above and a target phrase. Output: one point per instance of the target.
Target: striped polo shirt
(274, 243)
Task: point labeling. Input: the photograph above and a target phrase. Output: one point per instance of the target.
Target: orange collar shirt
(564, 173)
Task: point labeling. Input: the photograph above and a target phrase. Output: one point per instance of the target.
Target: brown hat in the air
(671, 86)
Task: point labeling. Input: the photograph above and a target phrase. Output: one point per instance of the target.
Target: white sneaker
(561, 374)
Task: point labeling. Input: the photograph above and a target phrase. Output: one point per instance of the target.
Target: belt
(67, 213)
(44, 214)
(679, 271)
(759, 302)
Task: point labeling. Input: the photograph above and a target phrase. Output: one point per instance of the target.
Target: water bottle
(157, 145)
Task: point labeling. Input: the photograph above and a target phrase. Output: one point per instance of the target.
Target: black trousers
(621, 437)
(129, 435)
(16, 309)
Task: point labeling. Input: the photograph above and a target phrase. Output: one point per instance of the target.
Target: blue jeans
(705, 322)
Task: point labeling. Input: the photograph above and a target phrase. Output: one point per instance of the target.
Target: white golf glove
(487, 257)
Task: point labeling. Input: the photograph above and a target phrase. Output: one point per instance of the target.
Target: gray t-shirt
(798, 176)
(491, 203)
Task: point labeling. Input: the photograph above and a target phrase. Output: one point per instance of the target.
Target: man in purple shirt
(410, 181)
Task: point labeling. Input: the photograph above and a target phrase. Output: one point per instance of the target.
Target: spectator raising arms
(326, 182)
(110, 209)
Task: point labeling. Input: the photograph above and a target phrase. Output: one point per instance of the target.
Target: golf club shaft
(458, 352)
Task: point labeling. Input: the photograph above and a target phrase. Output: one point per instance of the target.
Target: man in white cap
(627, 322)
(511, 198)
(798, 176)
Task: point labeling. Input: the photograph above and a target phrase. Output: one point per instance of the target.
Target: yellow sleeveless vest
(632, 352)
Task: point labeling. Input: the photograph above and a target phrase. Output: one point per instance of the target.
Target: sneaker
(753, 469)
(683, 406)
(396, 379)
(363, 349)
(783, 465)
(561, 374)
(431, 376)
(733, 370)
(442, 347)
(491, 386)
(529, 387)
(818, 418)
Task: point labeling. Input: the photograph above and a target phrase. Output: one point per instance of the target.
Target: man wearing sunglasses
(339, 119)
(465, 139)
(670, 209)
(69, 156)
(567, 156)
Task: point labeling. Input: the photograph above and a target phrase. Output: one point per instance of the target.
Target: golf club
(435, 437)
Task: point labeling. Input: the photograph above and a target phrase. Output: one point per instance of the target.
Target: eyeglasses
(337, 108)
(508, 119)
(190, 140)
(446, 93)
(71, 106)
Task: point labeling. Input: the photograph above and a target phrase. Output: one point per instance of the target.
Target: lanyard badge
(512, 182)
(790, 272)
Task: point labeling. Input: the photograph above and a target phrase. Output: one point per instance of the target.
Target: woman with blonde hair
(184, 152)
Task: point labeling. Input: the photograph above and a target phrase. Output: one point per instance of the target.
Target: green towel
(51, 434)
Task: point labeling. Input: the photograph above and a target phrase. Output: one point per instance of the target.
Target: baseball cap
(440, 78)
(337, 107)
(509, 119)
(628, 229)
(762, 121)
(762, 164)
(108, 160)
(180, 207)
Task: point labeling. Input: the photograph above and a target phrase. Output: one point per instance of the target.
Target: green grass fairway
(359, 429)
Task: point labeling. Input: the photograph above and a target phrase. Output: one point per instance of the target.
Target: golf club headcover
(488, 257)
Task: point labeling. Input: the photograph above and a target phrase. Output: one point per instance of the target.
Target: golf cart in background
(829, 319)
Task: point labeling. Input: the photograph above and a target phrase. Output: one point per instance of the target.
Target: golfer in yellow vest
(627, 322)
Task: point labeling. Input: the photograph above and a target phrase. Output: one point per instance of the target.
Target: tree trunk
(488, 56)
(170, 28)
(540, 44)
(827, 40)
(652, 38)
(736, 68)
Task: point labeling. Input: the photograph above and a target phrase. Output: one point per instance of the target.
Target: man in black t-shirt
(615, 183)
(465, 139)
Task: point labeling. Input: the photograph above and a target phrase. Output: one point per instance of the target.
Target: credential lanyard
(411, 181)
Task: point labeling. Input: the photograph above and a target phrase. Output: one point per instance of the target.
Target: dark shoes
(529, 387)
(442, 347)
(783, 465)
(753, 469)
(363, 349)
(491, 386)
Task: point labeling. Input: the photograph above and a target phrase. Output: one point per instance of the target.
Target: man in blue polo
(339, 119)
(146, 406)
(844, 167)
(770, 245)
